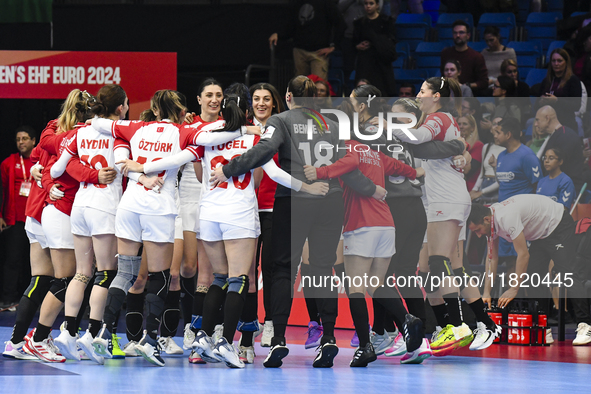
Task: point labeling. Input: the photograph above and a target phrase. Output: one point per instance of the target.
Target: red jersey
(266, 190)
(15, 170)
(361, 211)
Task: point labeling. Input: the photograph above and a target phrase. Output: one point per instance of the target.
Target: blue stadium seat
(529, 55)
(403, 51)
(445, 22)
(428, 56)
(555, 5)
(336, 59)
(478, 46)
(523, 11)
(553, 45)
(535, 76)
(541, 26)
(336, 77)
(578, 13)
(416, 77)
(431, 7)
(413, 28)
(505, 21)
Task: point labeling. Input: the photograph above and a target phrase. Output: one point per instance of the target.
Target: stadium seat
(555, 5)
(553, 45)
(478, 46)
(413, 28)
(578, 13)
(403, 51)
(529, 55)
(416, 77)
(445, 22)
(431, 7)
(535, 76)
(336, 77)
(428, 56)
(523, 11)
(505, 21)
(541, 26)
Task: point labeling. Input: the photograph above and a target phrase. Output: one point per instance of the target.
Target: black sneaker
(277, 353)
(326, 353)
(363, 356)
(413, 333)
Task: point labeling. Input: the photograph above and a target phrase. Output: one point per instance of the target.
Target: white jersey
(189, 187)
(151, 141)
(444, 182)
(536, 215)
(234, 201)
(95, 150)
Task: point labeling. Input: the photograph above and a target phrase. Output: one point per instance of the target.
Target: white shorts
(190, 215)
(215, 231)
(370, 242)
(440, 212)
(178, 227)
(88, 221)
(461, 237)
(57, 228)
(190, 195)
(138, 227)
(35, 232)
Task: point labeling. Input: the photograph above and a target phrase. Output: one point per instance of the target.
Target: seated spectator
(556, 185)
(362, 81)
(510, 69)
(407, 90)
(496, 52)
(486, 188)
(453, 69)
(582, 65)
(323, 91)
(469, 132)
(560, 83)
(474, 72)
(504, 90)
(471, 106)
(537, 141)
(374, 37)
(487, 111)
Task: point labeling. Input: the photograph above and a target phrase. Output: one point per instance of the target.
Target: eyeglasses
(549, 158)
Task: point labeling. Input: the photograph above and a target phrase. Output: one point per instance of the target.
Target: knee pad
(220, 280)
(127, 272)
(201, 289)
(158, 283)
(427, 283)
(248, 326)
(82, 278)
(461, 273)
(239, 285)
(59, 286)
(38, 288)
(105, 278)
(440, 265)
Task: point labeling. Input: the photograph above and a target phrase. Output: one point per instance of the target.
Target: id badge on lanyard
(25, 189)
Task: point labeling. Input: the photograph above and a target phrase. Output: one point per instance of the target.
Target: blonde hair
(474, 136)
(76, 108)
(168, 104)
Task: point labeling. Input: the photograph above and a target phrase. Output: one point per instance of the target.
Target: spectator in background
(469, 132)
(496, 53)
(414, 7)
(486, 188)
(471, 106)
(323, 91)
(504, 90)
(407, 90)
(509, 68)
(582, 65)
(314, 28)
(561, 87)
(474, 72)
(17, 181)
(556, 185)
(375, 40)
(453, 69)
(487, 111)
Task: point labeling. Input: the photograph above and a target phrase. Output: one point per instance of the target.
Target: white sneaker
(583, 334)
(550, 338)
(419, 355)
(85, 344)
(436, 333)
(398, 348)
(268, 333)
(218, 332)
(169, 346)
(100, 343)
(15, 350)
(150, 350)
(188, 337)
(44, 351)
(227, 353)
(129, 349)
(246, 354)
(204, 347)
(67, 345)
(483, 337)
(380, 343)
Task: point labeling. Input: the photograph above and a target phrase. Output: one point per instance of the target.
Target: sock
(390, 300)
(24, 316)
(479, 310)
(232, 312)
(358, 308)
(211, 308)
(198, 300)
(41, 333)
(187, 296)
(71, 325)
(328, 329)
(134, 318)
(454, 309)
(249, 313)
(379, 317)
(85, 303)
(339, 270)
(94, 326)
(115, 300)
(416, 307)
(309, 297)
(171, 314)
(441, 314)
(157, 290)
(392, 322)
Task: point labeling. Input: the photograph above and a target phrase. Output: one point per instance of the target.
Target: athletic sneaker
(116, 351)
(85, 343)
(413, 332)
(436, 333)
(218, 332)
(103, 343)
(204, 347)
(169, 346)
(583, 334)
(277, 353)
(188, 337)
(246, 354)
(227, 353)
(326, 353)
(12, 350)
(67, 345)
(149, 349)
(355, 339)
(268, 333)
(398, 348)
(363, 356)
(44, 350)
(550, 338)
(484, 337)
(314, 332)
(380, 343)
(419, 355)
(129, 349)
(450, 339)
(195, 358)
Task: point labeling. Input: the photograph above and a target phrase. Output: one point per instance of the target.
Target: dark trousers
(266, 259)
(16, 266)
(294, 220)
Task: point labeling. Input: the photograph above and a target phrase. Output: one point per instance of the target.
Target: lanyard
(492, 232)
(24, 171)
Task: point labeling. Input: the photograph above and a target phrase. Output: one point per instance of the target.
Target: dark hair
(207, 82)
(445, 86)
(511, 125)
(374, 105)
(234, 107)
(455, 63)
(495, 31)
(413, 90)
(302, 86)
(474, 105)
(26, 129)
(507, 84)
(239, 89)
(278, 106)
(460, 22)
(478, 213)
(558, 152)
(109, 98)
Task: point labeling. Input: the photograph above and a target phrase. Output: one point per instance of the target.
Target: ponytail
(302, 86)
(234, 110)
(445, 87)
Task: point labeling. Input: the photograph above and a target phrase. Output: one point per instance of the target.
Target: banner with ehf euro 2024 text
(53, 74)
